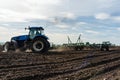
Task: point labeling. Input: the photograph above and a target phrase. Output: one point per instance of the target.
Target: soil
(62, 65)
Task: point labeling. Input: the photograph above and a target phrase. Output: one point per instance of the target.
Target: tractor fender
(41, 36)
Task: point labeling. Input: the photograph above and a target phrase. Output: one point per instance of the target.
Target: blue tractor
(35, 40)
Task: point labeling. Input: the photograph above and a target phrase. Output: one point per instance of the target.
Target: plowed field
(64, 65)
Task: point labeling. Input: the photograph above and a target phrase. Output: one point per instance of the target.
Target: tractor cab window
(34, 32)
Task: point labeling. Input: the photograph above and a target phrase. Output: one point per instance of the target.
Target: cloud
(102, 16)
(118, 29)
(62, 26)
(62, 16)
(24, 10)
(38, 9)
(92, 32)
(12, 16)
(46, 2)
(78, 25)
(7, 33)
(81, 23)
(67, 15)
(116, 18)
(18, 11)
(105, 16)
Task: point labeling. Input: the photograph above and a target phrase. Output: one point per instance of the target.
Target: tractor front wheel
(6, 47)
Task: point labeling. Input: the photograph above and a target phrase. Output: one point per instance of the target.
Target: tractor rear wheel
(40, 45)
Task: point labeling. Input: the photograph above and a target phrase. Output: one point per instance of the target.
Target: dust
(60, 49)
(17, 50)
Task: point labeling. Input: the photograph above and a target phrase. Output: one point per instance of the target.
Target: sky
(95, 20)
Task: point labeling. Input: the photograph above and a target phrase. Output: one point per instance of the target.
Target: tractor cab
(35, 31)
(105, 45)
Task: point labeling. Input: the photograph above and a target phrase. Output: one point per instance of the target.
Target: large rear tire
(40, 45)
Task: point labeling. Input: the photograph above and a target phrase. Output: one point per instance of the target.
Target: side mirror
(27, 28)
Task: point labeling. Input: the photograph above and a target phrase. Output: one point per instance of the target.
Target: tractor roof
(40, 28)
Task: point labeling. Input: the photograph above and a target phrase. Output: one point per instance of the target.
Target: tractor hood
(19, 38)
